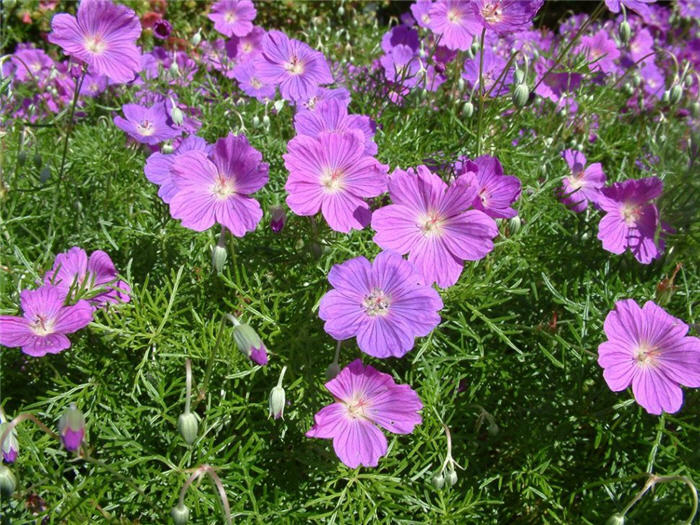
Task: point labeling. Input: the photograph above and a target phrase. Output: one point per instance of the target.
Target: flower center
(95, 44)
(492, 12)
(631, 213)
(576, 180)
(333, 180)
(357, 407)
(294, 66)
(230, 17)
(454, 16)
(223, 188)
(145, 128)
(255, 83)
(646, 355)
(431, 224)
(42, 325)
(376, 303)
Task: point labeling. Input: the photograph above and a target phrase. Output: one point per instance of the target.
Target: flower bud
(474, 47)
(180, 514)
(468, 109)
(256, 121)
(332, 370)
(521, 95)
(277, 218)
(174, 68)
(277, 400)
(688, 81)
(616, 519)
(493, 429)
(71, 428)
(695, 109)
(460, 84)
(266, 122)
(197, 38)
(438, 481)
(514, 224)
(218, 258)
(250, 344)
(518, 76)
(666, 97)
(8, 482)
(628, 89)
(9, 447)
(452, 478)
(625, 32)
(176, 113)
(188, 426)
(675, 94)
(167, 148)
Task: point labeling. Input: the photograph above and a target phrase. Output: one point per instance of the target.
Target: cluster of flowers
(69, 295)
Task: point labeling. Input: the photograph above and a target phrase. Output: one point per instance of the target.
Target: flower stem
(481, 92)
(188, 384)
(210, 362)
(24, 417)
(69, 129)
(281, 378)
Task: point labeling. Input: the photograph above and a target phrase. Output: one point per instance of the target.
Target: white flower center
(357, 407)
(492, 12)
(454, 16)
(631, 213)
(255, 83)
(230, 17)
(576, 180)
(95, 44)
(431, 224)
(41, 325)
(223, 188)
(294, 66)
(376, 303)
(145, 128)
(646, 355)
(333, 180)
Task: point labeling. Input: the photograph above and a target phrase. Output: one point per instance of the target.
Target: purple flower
(429, 221)
(148, 125)
(403, 35)
(385, 304)
(421, 12)
(631, 220)
(454, 21)
(45, 321)
(583, 184)
(495, 191)
(649, 349)
(490, 72)
(277, 218)
(71, 428)
(505, 15)
(402, 65)
(217, 188)
(246, 47)
(103, 35)
(638, 6)
(30, 63)
(233, 17)
(365, 398)
(601, 51)
(162, 29)
(333, 174)
(688, 8)
(332, 115)
(250, 82)
(294, 66)
(94, 278)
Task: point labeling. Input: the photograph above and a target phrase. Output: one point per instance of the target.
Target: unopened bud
(188, 426)
(197, 38)
(628, 89)
(341, 10)
(514, 224)
(468, 109)
(452, 478)
(676, 93)
(8, 482)
(277, 218)
(9, 447)
(332, 371)
(460, 84)
(266, 122)
(625, 32)
(174, 69)
(616, 519)
(250, 344)
(438, 481)
(666, 97)
(71, 428)
(493, 429)
(695, 109)
(218, 258)
(518, 76)
(521, 95)
(256, 121)
(475, 46)
(176, 113)
(180, 514)
(688, 81)
(167, 148)
(277, 400)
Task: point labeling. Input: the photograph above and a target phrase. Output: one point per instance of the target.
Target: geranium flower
(45, 321)
(157, 168)
(102, 35)
(584, 183)
(365, 399)
(505, 15)
(454, 21)
(233, 17)
(649, 349)
(384, 303)
(495, 192)
(148, 125)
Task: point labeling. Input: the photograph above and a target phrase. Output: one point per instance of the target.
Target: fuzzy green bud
(438, 481)
(256, 121)
(197, 38)
(176, 113)
(468, 109)
(277, 400)
(688, 81)
(461, 84)
(218, 258)
(188, 426)
(675, 94)
(180, 514)
(249, 343)
(474, 47)
(174, 69)
(514, 224)
(695, 109)
(666, 97)
(266, 122)
(628, 89)
(341, 10)
(493, 429)
(167, 148)
(518, 76)
(8, 482)
(616, 519)
(625, 32)
(452, 478)
(521, 95)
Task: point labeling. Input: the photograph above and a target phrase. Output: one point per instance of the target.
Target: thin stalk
(210, 363)
(654, 480)
(24, 417)
(281, 378)
(481, 92)
(188, 384)
(657, 442)
(71, 113)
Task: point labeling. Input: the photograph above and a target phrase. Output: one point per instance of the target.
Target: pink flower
(649, 349)
(365, 398)
(41, 329)
(429, 220)
(217, 188)
(496, 192)
(233, 17)
(584, 183)
(455, 22)
(333, 174)
(147, 124)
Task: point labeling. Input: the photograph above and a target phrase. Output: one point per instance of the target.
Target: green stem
(654, 480)
(210, 363)
(281, 378)
(188, 384)
(481, 93)
(657, 442)
(69, 129)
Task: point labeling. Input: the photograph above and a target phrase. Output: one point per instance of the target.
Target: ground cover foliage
(511, 369)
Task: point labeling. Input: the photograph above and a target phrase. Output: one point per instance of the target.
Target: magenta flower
(233, 17)
(649, 349)
(384, 303)
(162, 28)
(103, 35)
(421, 12)
(332, 115)
(601, 51)
(45, 322)
(94, 278)
(148, 125)
(631, 220)
(365, 399)
(217, 188)
(505, 15)
(250, 82)
(247, 47)
(429, 220)
(494, 64)
(496, 192)
(332, 173)
(157, 168)
(454, 21)
(583, 185)
(638, 6)
(294, 66)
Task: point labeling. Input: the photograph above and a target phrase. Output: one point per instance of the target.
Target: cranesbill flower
(384, 303)
(400, 35)
(148, 125)
(454, 21)
(631, 219)
(94, 278)
(103, 35)
(233, 17)
(157, 168)
(421, 12)
(333, 174)
(584, 183)
(217, 188)
(294, 66)
(246, 47)
(162, 29)
(250, 82)
(496, 192)
(365, 399)
(505, 15)
(638, 6)
(649, 349)
(30, 63)
(429, 220)
(601, 51)
(45, 321)
(494, 64)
